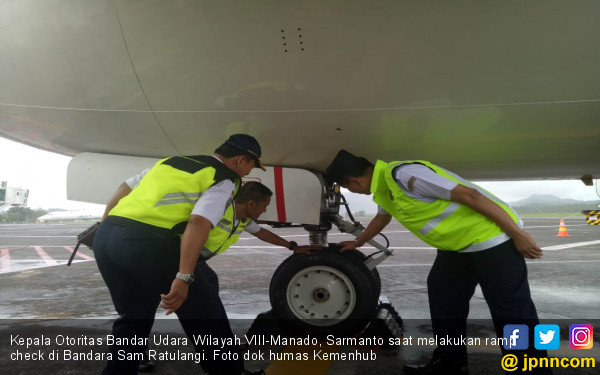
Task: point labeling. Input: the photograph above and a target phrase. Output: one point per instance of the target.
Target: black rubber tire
(314, 284)
(360, 257)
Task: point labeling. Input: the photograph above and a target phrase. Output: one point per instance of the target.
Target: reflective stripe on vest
(443, 224)
(176, 198)
(435, 221)
(167, 194)
(223, 235)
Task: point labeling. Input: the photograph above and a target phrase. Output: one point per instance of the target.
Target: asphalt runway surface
(48, 309)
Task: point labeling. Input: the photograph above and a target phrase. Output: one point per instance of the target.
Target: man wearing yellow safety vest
(158, 229)
(479, 238)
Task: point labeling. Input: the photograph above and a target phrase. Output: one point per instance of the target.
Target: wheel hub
(321, 295)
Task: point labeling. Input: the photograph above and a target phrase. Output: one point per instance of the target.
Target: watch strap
(187, 277)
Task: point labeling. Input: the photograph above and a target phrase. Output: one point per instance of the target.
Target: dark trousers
(502, 274)
(137, 267)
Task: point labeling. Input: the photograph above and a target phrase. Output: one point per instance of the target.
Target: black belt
(153, 229)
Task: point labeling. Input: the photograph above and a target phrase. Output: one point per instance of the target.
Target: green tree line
(20, 215)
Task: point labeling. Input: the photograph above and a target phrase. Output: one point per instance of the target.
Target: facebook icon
(516, 337)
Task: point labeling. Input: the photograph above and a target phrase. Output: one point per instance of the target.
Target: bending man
(479, 238)
(148, 248)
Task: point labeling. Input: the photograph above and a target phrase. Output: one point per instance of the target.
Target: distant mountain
(547, 204)
(544, 199)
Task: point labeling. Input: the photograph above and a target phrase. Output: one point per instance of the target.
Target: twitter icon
(547, 336)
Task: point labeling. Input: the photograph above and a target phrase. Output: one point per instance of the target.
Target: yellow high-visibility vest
(165, 197)
(443, 224)
(224, 234)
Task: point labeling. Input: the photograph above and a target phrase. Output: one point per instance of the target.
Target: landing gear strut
(328, 292)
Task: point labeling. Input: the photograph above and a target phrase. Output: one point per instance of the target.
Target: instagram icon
(581, 336)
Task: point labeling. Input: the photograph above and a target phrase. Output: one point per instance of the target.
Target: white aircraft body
(68, 216)
(490, 90)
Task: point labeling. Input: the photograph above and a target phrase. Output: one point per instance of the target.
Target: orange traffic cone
(562, 229)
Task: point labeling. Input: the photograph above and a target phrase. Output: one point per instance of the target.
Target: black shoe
(146, 364)
(257, 372)
(436, 366)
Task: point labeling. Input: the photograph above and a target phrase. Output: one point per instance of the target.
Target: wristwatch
(187, 277)
(293, 245)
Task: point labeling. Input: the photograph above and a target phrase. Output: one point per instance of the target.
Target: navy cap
(249, 145)
(343, 162)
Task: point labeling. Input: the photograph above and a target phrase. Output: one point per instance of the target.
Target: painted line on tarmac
(10, 265)
(555, 226)
(536, 261)
(4, 261)
(328, 235)
(45, 257)
(533, 261)
(406, 265)
(13, 236)
(550, 248)
(86, 257)
(570, 245)
(24, 268)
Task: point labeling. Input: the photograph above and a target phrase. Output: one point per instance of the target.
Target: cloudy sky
(44, 174)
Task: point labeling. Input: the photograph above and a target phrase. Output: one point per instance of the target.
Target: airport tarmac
(45, 300)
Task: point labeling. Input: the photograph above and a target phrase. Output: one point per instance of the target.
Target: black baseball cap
(247, 144)
(343, 162)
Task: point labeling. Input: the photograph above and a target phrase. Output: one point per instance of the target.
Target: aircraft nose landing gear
(326, 292)
(329, 292)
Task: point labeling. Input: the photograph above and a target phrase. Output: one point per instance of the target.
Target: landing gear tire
(375, 279)
(325, 293)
